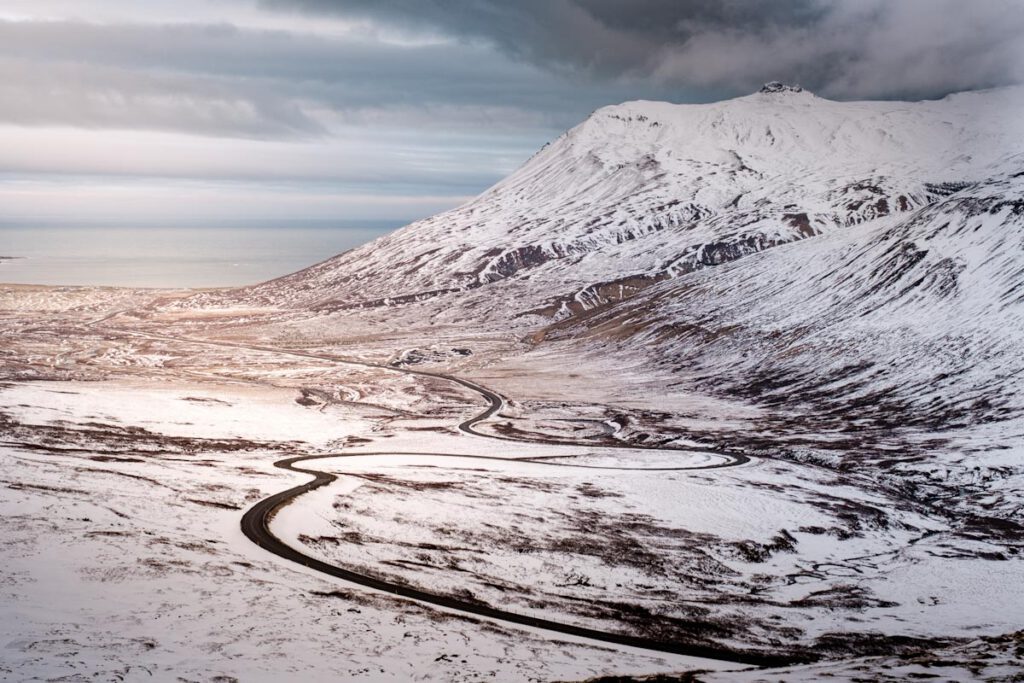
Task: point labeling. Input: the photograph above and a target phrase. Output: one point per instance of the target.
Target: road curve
(255, 522)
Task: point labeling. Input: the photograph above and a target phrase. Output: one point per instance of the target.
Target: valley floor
(130, 450)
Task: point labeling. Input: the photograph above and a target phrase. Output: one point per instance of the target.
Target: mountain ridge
(836, 289)
(644, 191)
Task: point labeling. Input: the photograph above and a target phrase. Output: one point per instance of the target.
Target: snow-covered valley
(742, 382)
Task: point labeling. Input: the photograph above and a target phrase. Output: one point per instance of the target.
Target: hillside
(893, 349)
(644, 191)
(851, 270)
(739, 381)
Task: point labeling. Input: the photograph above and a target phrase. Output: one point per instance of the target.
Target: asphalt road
(256, 521)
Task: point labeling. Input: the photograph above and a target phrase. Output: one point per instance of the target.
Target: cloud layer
(347, 100)
(220, 80)
(839, 48)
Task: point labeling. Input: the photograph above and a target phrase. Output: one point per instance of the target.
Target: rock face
(644, 191)
(777, 87)
(926, 310)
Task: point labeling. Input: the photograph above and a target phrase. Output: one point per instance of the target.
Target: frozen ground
(124, 560)
(826, 297)
(127, 463)
(128, 460)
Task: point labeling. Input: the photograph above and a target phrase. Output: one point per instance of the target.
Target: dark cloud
(336, 105)
(538, 65)
(604, 36)
(840, 48)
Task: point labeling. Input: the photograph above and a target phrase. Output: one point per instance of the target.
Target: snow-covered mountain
(645, 191)
(894, 340)
(837, 287)
(890, 283)
(855, 270)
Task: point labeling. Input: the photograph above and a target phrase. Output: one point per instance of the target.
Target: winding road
(256, 521)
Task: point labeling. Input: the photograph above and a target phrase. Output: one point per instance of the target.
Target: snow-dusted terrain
(827, 295)
(645, 190)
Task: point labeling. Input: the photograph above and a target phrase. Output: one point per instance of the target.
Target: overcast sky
(221, 110)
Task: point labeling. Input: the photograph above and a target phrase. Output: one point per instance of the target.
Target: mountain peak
(773, 87)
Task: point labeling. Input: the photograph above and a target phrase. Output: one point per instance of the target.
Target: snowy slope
(647, 190)
(861, 262)
(836, 288)
(897, 346)
(855, 269)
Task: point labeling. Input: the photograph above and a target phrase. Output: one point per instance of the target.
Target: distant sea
(191, 256)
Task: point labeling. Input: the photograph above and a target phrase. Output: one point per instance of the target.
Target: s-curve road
(256, 521)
